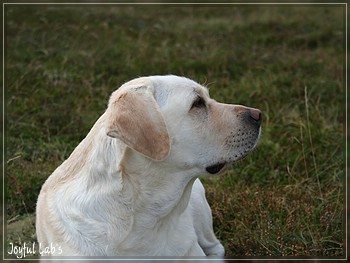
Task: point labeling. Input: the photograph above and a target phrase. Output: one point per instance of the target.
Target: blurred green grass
(285, 199)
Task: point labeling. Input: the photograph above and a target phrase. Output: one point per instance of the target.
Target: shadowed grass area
(285, 199)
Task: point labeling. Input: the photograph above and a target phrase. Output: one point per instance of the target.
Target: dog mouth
(238, 151)
(216, 168)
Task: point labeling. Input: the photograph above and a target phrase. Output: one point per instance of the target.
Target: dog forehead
(163, 88)
(172, 83)
(172, 87)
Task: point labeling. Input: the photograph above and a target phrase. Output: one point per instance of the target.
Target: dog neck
(156, 194)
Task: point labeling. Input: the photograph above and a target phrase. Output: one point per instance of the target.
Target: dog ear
(135, 119)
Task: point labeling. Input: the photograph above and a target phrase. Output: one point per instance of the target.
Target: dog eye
(198, 103)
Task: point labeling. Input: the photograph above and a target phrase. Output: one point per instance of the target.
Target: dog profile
(131, 187)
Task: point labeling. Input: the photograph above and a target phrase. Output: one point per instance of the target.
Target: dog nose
(255, 115)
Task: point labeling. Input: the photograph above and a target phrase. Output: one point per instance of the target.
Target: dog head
(173, 120)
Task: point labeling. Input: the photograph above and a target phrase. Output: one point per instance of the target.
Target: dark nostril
(255, 114)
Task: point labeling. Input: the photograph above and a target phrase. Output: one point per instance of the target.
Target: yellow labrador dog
(131, 188)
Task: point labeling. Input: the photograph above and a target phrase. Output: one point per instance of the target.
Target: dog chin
(219, 167)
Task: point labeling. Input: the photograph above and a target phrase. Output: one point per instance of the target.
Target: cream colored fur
(130, 187)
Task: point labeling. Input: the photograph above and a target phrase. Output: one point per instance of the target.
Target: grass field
(285, 199)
